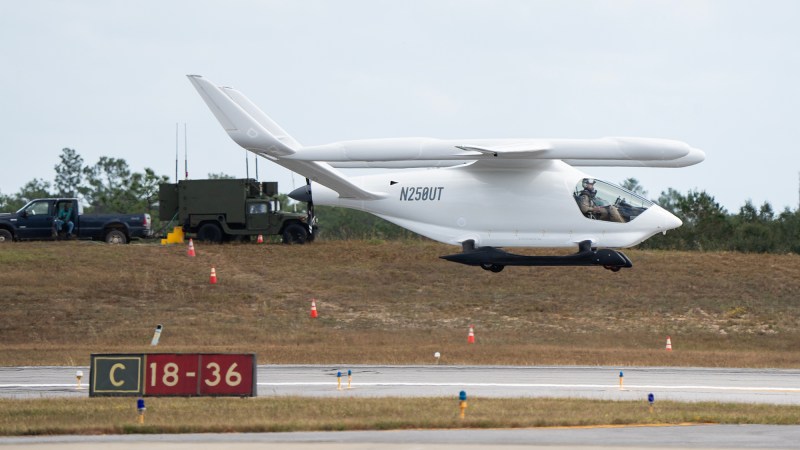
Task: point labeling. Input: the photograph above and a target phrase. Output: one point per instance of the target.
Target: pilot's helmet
(588, 183)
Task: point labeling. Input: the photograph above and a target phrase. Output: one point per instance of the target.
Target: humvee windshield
(599, 200)
(258, 208)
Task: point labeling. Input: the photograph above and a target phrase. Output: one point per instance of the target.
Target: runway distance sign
(173, 374)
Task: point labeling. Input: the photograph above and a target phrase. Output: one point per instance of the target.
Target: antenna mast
(176, 152)
(185, 153)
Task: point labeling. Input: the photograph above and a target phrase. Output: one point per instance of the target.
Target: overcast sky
(107, 78)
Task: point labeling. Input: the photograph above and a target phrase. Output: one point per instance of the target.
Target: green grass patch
(201, 415)
(22, 256)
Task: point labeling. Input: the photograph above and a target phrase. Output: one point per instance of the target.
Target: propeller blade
(310, 208)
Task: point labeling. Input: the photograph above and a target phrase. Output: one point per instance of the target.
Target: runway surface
(771, 386)
(673, 437)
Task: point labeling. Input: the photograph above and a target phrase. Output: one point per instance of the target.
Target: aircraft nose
(667, 220)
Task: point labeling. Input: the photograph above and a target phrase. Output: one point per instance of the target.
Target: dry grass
(175, 415)
(394, 302)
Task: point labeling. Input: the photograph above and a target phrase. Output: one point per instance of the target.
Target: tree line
(107, 186)
(110, 186)
(708, 226)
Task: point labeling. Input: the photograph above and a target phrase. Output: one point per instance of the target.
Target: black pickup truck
(36, 221)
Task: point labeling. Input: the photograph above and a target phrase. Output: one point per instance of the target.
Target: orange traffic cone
(190, 252)
(669, 344)
(260, 239)
(471, 335)
(313, 308)
(213, 278)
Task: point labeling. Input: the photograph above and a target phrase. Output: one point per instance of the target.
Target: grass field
(394, 303)
(386, 303)
(176, 415)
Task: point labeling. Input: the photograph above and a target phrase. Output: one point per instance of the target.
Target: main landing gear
(495, 260)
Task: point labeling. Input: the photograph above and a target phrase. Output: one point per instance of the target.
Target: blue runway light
(651, 398)
(140, 407)
(462, 404)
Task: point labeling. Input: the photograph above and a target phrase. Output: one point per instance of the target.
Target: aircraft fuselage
(496, 206)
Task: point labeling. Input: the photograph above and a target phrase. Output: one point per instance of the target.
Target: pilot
(590, 208)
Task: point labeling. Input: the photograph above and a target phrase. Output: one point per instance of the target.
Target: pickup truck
(35, 221)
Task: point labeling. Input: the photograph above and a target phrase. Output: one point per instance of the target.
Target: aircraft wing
(253, 130)
(427, 152)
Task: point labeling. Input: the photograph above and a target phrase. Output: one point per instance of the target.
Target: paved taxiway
(773, 386)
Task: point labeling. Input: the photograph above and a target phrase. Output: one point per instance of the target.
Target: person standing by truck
(64, 217)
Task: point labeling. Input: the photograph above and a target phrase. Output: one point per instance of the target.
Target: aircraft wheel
(613, 268)
(493, 267)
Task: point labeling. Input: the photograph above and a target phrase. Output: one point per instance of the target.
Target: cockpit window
(604, 201)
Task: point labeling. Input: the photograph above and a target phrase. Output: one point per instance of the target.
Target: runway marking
(35, 385)
(613, 387)
(631, 425)
(610, 387)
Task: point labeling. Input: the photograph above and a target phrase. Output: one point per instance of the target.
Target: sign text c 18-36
(173, 374)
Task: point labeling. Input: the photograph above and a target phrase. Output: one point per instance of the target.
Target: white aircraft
(479, 194)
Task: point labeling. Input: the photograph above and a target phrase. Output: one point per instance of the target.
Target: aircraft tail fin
(262, 118)
(251, 129)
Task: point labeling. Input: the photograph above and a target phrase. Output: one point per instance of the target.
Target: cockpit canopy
(605, 201)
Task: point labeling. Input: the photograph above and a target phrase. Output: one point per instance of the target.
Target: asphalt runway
(672, 437)
(771, 386)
